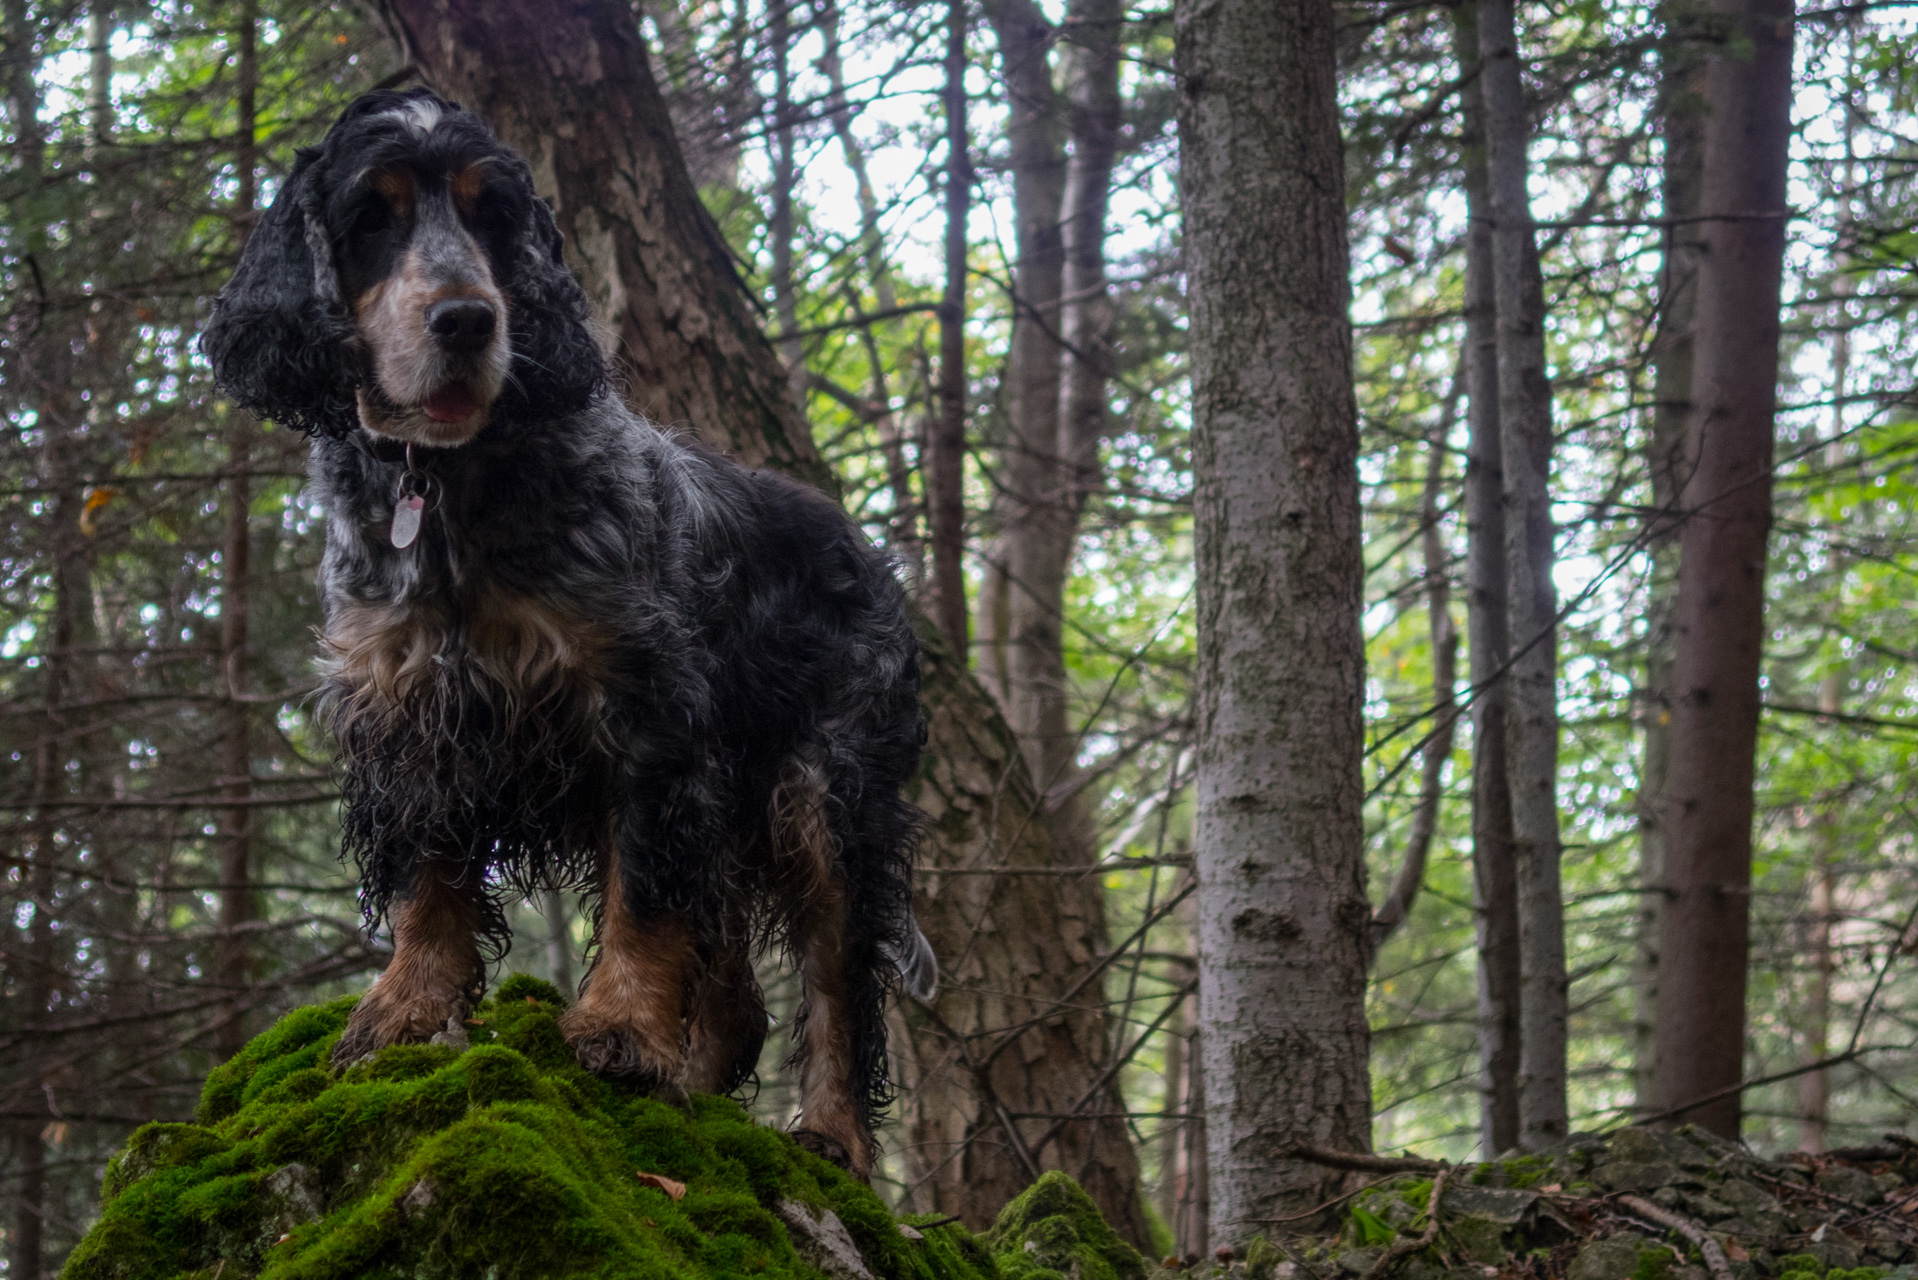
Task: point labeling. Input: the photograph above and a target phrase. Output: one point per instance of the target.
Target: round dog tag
(407, 513)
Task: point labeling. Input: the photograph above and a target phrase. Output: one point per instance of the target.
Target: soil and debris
(1637, 1204)
(490, 1153)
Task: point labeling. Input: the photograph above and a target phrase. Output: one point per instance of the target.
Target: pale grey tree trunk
(1283, 914)
(1726, 500)
(1494, 869)
(1682, 128)
(1525, 425)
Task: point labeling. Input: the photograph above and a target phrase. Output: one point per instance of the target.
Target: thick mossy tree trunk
(570, 86)
(1283, 917)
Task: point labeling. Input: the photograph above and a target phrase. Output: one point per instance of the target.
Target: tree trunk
(1494, 860)
(1171, 1134)
(1444, 636)
(1011, 948)
(1682, 129)
(1051, 463)
(1283, 915)
(1017, 1037)
(1814, 1087)
(946, 458)
(780, 227)
(1035, 138)
(903, 533)
(238, 903)
(1525, 425)
(1721, 577)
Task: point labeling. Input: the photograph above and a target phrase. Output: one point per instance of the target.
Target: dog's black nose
(461, 325)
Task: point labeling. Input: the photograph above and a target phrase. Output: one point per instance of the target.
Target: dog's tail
(918, 967)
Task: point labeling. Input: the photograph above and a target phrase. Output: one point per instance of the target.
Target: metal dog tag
(407, 513)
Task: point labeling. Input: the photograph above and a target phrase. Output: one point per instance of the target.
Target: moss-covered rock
(502, 1159)
(1054, 1231)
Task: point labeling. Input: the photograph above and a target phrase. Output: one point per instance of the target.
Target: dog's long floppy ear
(279, 340)
(557, 367)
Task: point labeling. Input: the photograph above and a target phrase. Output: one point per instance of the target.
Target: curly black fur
(750, 632)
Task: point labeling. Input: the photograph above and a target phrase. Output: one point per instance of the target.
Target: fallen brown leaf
(1737, 1252)
(677, 1190)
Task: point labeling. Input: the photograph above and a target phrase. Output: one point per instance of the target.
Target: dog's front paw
(380, 1019)
(620, 1052)
(830, 1150)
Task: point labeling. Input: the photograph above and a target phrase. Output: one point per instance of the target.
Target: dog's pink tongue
(451, 403)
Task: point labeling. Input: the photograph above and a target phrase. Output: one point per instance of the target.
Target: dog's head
(406, 279)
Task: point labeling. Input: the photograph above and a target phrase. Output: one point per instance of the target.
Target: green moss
(1653, 1264)
(1801, 1262)
(506, 1160)
(1054, 1230)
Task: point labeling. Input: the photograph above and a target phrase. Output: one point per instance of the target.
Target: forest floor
(1636, 1204)
(490, 1153)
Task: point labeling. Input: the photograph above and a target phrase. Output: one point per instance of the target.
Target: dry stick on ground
(1402, 1247)
(1714, 1256)
(1365, 1162)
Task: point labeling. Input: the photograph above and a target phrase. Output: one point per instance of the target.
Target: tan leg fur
(436, 969)
(629, 1022)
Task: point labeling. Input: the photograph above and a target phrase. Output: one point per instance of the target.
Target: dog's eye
(373, 216)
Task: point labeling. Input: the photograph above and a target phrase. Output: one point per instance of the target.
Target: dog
(565, 647)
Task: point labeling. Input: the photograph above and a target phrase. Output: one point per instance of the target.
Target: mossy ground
(1568, 1215)
(505, 1160)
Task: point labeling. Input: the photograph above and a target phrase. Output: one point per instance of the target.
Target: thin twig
(1402, 1247)
(1714, 1256)
(1365, 1161)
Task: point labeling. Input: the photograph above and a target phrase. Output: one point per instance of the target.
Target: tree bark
(1494, 859)
(1726, 501)
(1444, 637)
(785, 177)
(1682, 129)
(1017, 1036)
(1051, 464)
(535, 69)
(1814, 1087)
(1035, 139)
(1525, 425)
(1283, 913)
(903, 533)
(946, 458)
(238, 903)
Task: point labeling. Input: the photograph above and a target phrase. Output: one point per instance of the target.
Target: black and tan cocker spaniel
(565, 647)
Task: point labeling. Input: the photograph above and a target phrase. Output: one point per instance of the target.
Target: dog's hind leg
(832, 1119)
(630, 1020)
(436, 972)
(728, 1026)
